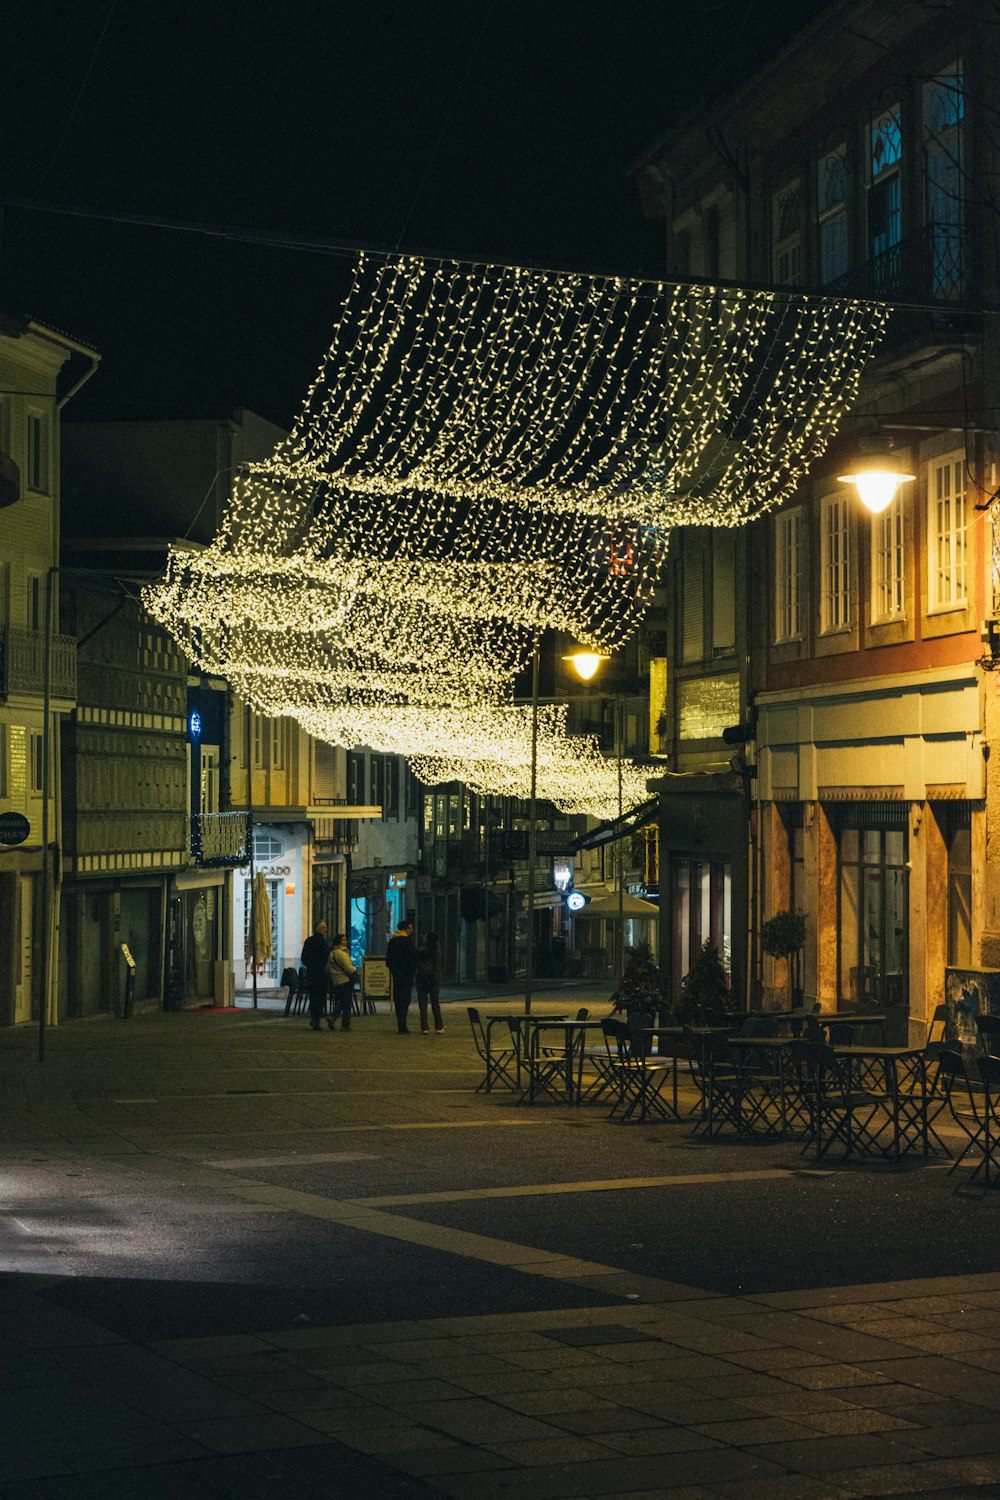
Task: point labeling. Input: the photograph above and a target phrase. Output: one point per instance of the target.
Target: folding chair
(988, 1028)
(832, 1102)
(499, 1061)
(952, 1084)
(989, 1073)
(639, 1078)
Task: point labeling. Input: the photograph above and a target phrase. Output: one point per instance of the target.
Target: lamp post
(586, 664)
(529, 958)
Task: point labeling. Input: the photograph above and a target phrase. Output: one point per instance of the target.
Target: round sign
(14, 828)
(576, 900)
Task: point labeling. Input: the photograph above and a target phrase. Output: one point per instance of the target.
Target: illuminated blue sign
(194, 724)
(576, 900)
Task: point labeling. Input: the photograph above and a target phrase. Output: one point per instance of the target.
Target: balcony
(220, 838)
(925, 267)
(22, 663)
(336, 835)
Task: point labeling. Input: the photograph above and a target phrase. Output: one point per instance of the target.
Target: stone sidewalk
(652, 1388)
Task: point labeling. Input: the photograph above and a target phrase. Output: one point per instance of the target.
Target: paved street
(243, 1259)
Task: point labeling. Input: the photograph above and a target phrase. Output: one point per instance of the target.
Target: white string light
(488, 452)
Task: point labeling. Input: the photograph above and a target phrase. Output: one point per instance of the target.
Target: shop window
(701, 902)
(888, 563)
(946, 532)
(788, 527)
(835, 564)
(874, 905)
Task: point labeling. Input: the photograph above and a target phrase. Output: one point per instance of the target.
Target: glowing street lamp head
(585, 663)
(879, 477)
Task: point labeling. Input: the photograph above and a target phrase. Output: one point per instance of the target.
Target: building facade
(861, 718)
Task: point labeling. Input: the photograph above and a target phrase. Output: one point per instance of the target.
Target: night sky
(498, 131)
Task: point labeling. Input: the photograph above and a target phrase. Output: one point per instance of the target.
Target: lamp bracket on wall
(989, 634)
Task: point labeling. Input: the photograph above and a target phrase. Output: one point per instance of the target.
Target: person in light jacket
(342, 973)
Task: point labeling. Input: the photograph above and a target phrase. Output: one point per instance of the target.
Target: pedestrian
(401, 957)
(341, 972)
(315, 952)
(428, 976)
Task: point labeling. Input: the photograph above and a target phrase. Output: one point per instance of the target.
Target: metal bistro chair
(988, 1028)
(967, 1110)
(500, 1061)
(832, 1102)
(298, 995)
(638, 1078)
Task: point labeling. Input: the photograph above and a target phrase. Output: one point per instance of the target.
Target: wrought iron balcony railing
(926, 266)
(22, 663)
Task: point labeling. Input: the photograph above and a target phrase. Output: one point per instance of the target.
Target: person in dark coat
(341, 973)
(401, 957)
(428, 976)
(315, 952)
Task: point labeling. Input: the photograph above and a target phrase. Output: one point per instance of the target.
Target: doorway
(874, 913)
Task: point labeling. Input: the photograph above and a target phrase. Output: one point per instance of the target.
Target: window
(835, 564)
(959, 836)
(259, 739)
(943, 115)
(279, 729)
(946, 532)
(786, 235)
(888, 529)
(885, 155)
(38, 452)
(4, 761)
(831, 210)
(724, 589)
(392, 786)
(4, 595)
(5, 425)
(377, 798)
(34, 612)
(692, 598)
(788, 575)
(266, 846)
(37, 762)
(355, 778)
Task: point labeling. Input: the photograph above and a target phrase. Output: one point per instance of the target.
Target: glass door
(874, 917)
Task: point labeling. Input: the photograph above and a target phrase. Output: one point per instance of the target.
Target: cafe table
(556, 1067)
(898, 1077)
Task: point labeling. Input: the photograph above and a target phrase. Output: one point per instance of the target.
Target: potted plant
(783, 936)
(705, 996)
(642, 990)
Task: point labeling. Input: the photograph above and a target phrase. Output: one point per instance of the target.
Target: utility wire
(79, 95)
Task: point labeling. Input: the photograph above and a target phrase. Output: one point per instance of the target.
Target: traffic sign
(14, 828)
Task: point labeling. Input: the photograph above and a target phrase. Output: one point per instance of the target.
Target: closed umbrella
(261, 924)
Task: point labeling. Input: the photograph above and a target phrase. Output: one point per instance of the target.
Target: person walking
(315, 952)
(401, 957)
(341, 972)
(428, 977)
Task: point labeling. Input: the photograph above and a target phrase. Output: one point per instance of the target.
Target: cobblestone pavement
(241, 1259)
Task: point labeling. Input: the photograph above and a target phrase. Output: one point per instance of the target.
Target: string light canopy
(488, 452)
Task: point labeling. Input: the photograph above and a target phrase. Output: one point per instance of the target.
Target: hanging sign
(14, 828)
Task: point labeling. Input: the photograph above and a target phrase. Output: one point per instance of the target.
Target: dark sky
(502, 131)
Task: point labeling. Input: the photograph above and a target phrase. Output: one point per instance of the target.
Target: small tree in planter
(642, 990)
(705, 996)
(783, 936)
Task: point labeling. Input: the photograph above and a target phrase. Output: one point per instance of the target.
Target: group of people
(331, 970)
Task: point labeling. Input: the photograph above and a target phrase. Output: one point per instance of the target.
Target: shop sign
(14, 828)
(396, 880)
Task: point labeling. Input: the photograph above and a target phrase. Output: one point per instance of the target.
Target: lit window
(38, 452)
(888, 529)
(885, 222)
(835, 564)
(943, 115)
(788, 575)
(831, 204)
(946, 532)
(786, 235)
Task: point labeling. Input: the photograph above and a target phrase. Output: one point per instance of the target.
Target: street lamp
(585, 664)
(879, 476)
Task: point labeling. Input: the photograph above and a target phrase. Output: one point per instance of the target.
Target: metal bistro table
(791, 1110)
(560, 1066)
(899, 1075)
(797, 1019)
